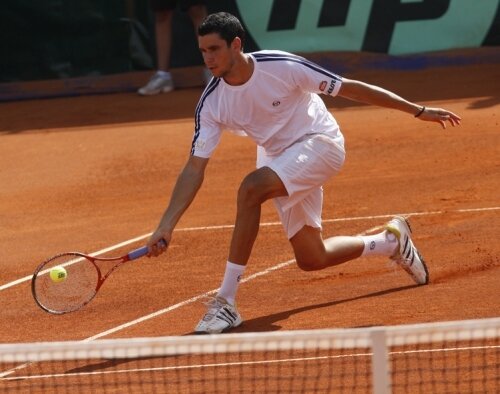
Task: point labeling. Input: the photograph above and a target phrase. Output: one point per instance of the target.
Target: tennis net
(450, 357)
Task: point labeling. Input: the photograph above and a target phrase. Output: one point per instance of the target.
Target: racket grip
(137, 253)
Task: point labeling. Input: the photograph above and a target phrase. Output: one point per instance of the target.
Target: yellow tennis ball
(58, 274)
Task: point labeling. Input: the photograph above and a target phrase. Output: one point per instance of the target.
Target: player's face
(217, 55)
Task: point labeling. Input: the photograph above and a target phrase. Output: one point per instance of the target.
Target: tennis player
(272, 97)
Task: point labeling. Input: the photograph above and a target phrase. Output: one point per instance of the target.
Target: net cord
(251, 342)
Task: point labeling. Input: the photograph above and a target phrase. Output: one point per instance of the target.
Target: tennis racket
(84, 277)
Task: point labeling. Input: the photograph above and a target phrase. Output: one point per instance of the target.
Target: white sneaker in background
(157, 84)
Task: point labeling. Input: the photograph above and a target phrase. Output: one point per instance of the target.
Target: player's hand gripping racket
(69, 281)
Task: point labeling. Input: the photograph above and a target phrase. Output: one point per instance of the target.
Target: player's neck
(241, 71)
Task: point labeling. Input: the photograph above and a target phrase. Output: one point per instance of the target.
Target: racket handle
(137, 253)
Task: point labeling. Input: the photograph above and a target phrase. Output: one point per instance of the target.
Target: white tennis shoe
(407, 255)
(157, 84)
(220, 317)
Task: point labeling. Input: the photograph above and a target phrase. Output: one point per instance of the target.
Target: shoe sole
(395, 230)
(220, 332)
(155, 92)
(235, 326)
(150, 93)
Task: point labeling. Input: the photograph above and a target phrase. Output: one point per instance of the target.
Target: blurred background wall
(67, 40)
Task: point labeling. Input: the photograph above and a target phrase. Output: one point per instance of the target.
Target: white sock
(164, 74)
(232, 277)
(384, 243)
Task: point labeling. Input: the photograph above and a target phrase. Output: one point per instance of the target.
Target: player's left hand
(441, 116)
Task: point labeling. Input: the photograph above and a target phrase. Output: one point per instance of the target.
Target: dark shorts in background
(161, 5)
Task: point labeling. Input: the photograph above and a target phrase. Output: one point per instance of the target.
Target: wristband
(420, 112)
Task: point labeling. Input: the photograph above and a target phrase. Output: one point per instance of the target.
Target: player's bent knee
(309, 264)
(247, 194)
(250, 191)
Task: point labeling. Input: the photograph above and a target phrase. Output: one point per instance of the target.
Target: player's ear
(236, 44)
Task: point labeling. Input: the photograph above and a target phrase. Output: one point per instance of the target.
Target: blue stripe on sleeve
(270, 57)
(209, 89)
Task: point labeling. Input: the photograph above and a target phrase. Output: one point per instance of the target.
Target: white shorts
(303, 168)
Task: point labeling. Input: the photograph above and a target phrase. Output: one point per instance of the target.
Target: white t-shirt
(278, 105)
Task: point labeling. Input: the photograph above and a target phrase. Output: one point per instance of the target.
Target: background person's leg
(163, 31)
(197, 13)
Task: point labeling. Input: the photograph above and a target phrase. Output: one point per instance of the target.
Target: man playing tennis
(272, 96)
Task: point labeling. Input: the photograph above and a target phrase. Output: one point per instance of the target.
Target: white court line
(185, 302)
(102, 251)
(230, 226)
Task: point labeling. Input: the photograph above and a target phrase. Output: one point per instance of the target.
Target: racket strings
(70, 294)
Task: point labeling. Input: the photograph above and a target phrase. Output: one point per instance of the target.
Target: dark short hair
(225, 24)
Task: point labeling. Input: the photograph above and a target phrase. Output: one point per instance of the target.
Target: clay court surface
(88, 173)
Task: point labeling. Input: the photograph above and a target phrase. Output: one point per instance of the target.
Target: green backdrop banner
(54, 39)
(395, 27)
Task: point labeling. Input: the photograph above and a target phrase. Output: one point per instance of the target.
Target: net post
(380, 363)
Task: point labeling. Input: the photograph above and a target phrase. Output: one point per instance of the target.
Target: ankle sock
(384, 243)
(231, 280)
(164, 74)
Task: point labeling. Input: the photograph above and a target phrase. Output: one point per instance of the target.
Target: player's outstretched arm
(185, 190)
(375, 95)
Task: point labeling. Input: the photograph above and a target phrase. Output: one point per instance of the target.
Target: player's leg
(257, 187)
(313, 253)
(302, 224)
(302, 168)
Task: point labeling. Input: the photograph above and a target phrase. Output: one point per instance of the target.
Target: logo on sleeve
(322, 86)
(332, 86)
